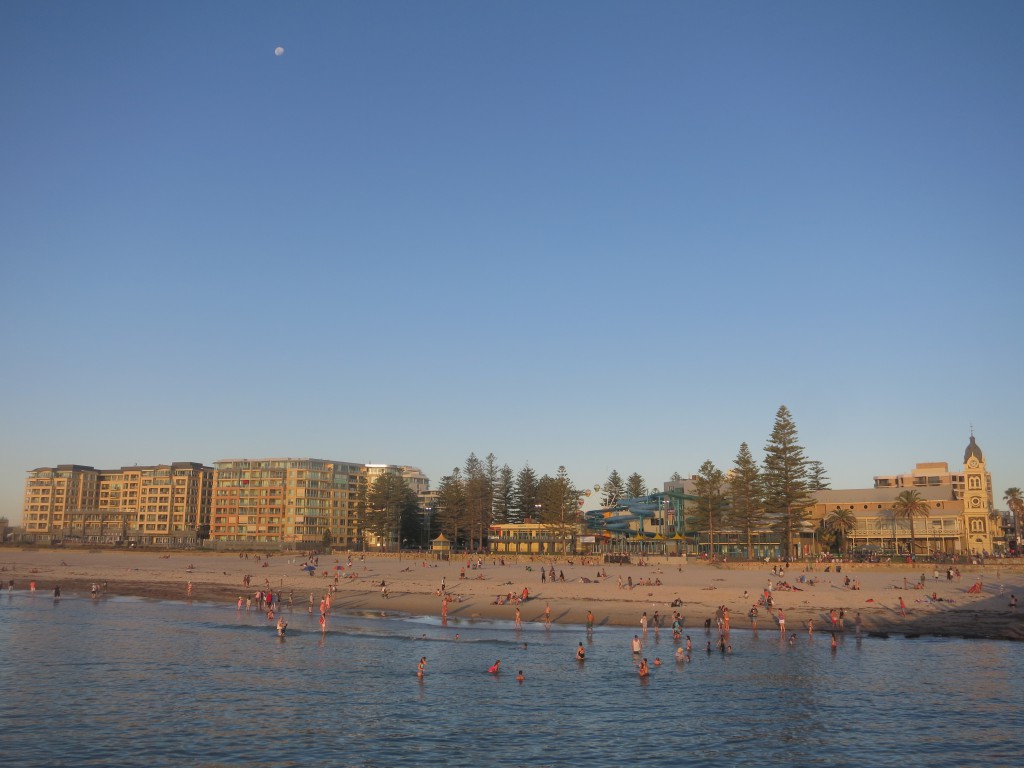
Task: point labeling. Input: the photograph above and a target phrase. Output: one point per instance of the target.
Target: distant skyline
(594, 234)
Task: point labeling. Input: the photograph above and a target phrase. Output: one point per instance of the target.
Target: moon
(279, 51)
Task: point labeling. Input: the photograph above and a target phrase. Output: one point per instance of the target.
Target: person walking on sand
(519, 619)
(782, 622)
(188, 589)
(547, 614)
(903, 607)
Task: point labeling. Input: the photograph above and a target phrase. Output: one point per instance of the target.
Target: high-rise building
(164, 503)
(51, 493)
(300, 502)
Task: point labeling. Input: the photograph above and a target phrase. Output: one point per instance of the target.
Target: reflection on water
(122, 681)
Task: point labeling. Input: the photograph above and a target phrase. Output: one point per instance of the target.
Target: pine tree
(492, 473)
(389, 502)
(451, 504)
(613, 490)
(557, 498)
(525, 495)
(784, 479)
(635, 486)
(478, 500)
(710, 505)
(504, 495)
(817, 476)
(746, 509)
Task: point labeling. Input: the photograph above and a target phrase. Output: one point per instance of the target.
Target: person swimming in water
(421, 666)
(495, 667)
(581, 654)
(644, 670)
(282, 625)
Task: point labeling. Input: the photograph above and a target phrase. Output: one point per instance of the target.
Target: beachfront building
(960, 520)
(53, 492)
(936, 474)
(527, 539)
(159, 504)
(305, 503)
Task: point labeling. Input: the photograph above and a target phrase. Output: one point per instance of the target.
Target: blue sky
(604, 235)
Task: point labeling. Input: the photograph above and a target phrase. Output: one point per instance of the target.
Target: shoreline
(414, 583)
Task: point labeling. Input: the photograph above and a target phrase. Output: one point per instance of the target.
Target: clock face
(973, 463)
(975, 502)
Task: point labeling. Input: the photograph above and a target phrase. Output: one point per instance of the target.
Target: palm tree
(842, 521)
(908, 506)
(1015, 501)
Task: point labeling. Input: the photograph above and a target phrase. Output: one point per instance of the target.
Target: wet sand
(414, 583)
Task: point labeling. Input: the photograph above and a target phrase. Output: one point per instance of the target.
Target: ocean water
(131, 682)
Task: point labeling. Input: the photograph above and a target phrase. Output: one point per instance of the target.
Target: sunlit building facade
(299, 502)
(158, 504)
(960, 520)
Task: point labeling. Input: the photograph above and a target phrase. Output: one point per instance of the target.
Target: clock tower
(978, 527)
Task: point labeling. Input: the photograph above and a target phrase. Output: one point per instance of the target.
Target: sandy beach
(414, 584)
